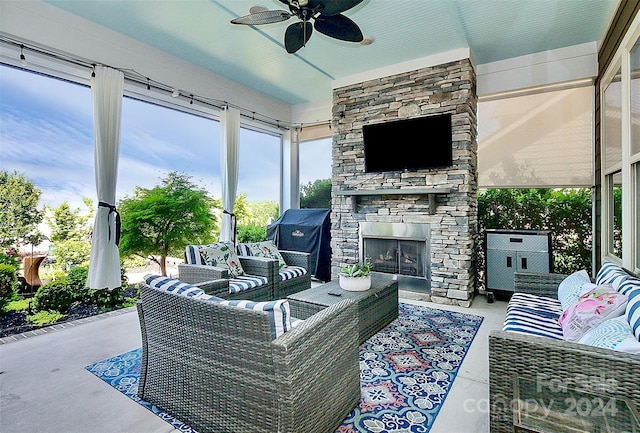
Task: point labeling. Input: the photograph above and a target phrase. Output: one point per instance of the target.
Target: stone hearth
(445, 199)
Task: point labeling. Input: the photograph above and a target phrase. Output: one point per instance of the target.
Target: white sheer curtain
(107, 91)
(229, 132)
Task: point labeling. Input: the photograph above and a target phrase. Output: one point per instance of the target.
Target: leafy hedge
(566, 212)
(70, 290)
(8, 284)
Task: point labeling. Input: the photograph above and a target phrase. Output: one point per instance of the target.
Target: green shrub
(77, 278)
(566, 212)
(43, 318)
(108, 299)
(56, 295)
(251, 233)
(19, 305)
(8, 284)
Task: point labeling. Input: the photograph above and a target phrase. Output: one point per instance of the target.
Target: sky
(46, 132)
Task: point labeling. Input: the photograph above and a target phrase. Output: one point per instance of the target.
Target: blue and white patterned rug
(406, 371)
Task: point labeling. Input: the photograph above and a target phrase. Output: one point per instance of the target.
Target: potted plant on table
(356, 277)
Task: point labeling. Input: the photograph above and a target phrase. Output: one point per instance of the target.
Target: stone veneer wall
(447, 88)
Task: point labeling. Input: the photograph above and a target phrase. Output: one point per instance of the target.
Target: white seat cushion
(291, 272)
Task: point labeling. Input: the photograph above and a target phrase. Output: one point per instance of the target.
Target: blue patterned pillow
(172, 286)
(633, 313)
(572, 287)
(612, 334)
(278, 311)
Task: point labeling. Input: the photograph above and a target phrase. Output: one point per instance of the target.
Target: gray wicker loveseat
(218, 368)
(539, 382)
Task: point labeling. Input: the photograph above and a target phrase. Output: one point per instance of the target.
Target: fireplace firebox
(400, 249)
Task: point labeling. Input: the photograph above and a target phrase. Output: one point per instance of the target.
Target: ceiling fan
(326, 16)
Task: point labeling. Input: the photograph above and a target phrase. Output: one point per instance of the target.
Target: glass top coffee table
(377, 307)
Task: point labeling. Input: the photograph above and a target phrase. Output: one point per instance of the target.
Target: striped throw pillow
(611, 274)
(278, 311)
(633, 313)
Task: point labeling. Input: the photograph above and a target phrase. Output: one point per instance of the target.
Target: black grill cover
(309, 231)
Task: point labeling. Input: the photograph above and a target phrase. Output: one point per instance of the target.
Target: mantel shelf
(431, 192)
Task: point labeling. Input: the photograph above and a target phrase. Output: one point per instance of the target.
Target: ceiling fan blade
(338, 27)
(265, 17)
(333, 7)
(297, 35)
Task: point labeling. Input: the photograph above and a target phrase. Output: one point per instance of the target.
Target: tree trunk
(163, 265)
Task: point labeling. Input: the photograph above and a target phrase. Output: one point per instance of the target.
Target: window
(636, 174)
(155, 140)
(614, 191)
(635, 146)
(47, 134)
(612, 142)
(259, 166)
(620, 111)
(613, 124)
(315, 173)
(315, 160)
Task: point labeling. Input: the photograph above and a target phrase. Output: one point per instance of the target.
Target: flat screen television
(408, 144)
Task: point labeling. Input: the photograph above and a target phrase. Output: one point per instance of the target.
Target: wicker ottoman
(377, 307)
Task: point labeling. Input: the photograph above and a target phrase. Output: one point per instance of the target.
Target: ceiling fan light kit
(326, 16)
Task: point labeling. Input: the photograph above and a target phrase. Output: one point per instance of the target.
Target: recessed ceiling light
(367, 40)
(257, 9)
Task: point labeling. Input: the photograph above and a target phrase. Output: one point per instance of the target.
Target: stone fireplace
(400, 249)
(428, 218)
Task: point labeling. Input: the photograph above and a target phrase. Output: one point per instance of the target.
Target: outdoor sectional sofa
(220, 367)
(540, 382)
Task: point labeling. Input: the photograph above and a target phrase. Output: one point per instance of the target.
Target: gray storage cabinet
(510, 251)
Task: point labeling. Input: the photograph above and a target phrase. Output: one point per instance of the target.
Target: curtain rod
(137, 78)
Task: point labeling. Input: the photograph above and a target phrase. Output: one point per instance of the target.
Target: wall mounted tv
(408, 144)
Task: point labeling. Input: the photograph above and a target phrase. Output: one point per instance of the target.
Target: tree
(67, 224)
(241, 208)
(163, 220)
(19, 216)
(316, 194)
(262, 213)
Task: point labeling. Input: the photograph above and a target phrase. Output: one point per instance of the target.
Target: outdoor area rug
(406, 371)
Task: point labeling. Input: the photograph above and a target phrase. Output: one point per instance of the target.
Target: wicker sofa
(217, 368)
(538, 383)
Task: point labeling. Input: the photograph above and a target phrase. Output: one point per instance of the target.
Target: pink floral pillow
(590, 310)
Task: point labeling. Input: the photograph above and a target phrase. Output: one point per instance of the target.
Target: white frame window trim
(630, 201)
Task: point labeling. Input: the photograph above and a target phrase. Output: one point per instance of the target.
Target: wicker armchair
(286, 284)
(562, 378)
(217, 369)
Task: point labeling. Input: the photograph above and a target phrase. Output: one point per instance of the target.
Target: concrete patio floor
(45, 388)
